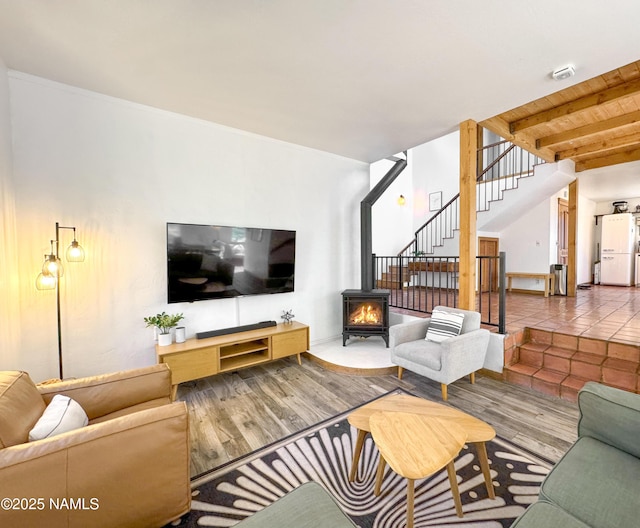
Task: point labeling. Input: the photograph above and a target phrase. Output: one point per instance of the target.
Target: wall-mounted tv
(215, 262)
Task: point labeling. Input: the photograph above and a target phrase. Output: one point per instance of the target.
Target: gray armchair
(445, 362)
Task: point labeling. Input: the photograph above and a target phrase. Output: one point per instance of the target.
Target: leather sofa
(597, 482)
(128, 467)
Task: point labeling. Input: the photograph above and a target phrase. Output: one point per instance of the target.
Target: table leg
(410, 488)
(356, 454)
(481, 449)
(379, 474)
(453, 482)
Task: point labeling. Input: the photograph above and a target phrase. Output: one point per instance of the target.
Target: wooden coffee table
(478, 432)
(416, 446)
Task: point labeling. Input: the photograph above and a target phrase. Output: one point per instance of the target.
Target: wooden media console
(199, 358)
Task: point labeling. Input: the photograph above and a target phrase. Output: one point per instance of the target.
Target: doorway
(563, 231)
(488, 247)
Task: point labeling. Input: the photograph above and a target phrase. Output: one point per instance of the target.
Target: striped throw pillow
(444, 325)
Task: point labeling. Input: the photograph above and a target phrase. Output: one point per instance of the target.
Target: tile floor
(601, 312)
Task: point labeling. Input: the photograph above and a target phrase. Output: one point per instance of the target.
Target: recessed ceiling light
(564, 73)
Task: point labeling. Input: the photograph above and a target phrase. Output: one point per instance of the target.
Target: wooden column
(572, 278)
(469, 131)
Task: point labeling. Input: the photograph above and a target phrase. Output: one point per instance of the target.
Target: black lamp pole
(52, 270)
(58, 304)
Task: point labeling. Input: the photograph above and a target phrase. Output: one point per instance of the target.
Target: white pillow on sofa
(444, 325)
(61, 415)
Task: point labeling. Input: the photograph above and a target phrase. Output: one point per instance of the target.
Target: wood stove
(365, 313)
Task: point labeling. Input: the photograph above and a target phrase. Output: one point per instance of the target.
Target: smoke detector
(563, 73)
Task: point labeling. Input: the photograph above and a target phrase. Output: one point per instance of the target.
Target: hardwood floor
(234, 414)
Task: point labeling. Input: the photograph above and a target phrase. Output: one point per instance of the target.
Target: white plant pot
(164, 339)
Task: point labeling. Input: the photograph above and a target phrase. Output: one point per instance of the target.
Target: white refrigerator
(618, 241)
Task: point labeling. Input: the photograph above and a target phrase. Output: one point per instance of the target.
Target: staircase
(393, 276)
(560, 364)
(504, 165)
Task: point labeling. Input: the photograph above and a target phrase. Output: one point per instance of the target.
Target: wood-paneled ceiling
(595, 123)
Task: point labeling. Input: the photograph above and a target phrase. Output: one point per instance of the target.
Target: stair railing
(418, 284)
(503, 165)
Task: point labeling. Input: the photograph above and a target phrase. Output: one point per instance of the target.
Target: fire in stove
(366, 314)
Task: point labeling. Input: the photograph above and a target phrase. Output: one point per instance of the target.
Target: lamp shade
(52, 266)
(74, 252)
(45, 282)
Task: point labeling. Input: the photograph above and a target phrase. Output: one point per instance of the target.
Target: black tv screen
(216, 262)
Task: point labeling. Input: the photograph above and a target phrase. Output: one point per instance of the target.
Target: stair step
(565, 341)
(521, 374)
(621, 364)
(592, 346)
(535, 347)
(560, 365)
(570, 387)
(622, 351)
(531, 357)
(548, 381)
(585, 369)
(561, 352)
(542, 337)
(557, 363)
(621, 374)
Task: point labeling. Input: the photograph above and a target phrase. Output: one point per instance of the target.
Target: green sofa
(308, 506)
(597, 482)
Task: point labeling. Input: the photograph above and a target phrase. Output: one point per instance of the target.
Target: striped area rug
(323, 453)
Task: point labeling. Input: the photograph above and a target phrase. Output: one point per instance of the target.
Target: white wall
(436, 168)
(118, 172)
(607, 207)
(526, 242)
(392, 223)
(585, 252)
(9, 304)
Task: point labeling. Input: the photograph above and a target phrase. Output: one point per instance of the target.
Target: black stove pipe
(366, 244)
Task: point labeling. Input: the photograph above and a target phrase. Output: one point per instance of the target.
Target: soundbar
(234, 329)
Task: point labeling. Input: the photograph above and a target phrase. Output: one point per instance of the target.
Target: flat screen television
(216, 262)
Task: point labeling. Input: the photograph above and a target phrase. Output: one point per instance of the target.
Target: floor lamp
(53, 270)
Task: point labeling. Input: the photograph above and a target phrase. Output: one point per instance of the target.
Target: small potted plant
(164, 322)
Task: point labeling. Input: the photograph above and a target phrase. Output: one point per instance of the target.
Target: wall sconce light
(52, 270)
(401, 200)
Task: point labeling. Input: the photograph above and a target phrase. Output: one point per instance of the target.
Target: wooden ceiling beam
(615, 158)
(621, 91)
(600, 146)
(589, 130)
(499, 126)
